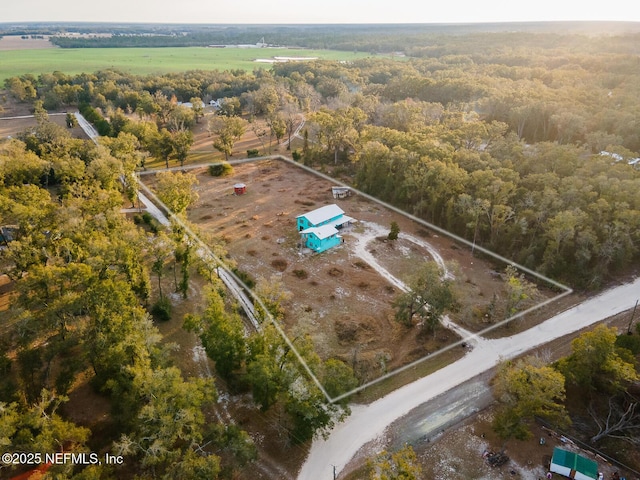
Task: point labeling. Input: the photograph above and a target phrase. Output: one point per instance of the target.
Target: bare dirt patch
(203, 140)
(336, 297)
(17, 42)
(17, 118)
(462, 453)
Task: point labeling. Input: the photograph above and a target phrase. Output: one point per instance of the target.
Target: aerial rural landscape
(315, 251)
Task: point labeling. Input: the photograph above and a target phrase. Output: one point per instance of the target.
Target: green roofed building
(572, 465)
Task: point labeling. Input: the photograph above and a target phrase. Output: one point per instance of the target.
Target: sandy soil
(337, 297)
(18, 117)
(448, 434)
(368, 423)
(459, 454)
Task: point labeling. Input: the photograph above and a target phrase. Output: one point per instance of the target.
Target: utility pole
(335, 475)
(631, 319)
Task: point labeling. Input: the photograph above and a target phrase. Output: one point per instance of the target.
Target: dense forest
(501, 144)
(79, 313)
(84, 312)
(523, 143)
(363, 38)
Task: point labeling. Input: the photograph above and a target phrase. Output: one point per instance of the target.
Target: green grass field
(142, 61)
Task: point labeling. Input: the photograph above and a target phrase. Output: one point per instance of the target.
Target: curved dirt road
(367, 422)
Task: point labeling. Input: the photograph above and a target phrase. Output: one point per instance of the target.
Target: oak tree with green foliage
(430, 294)
(170, 420)
(221, 333)
(596, 363)
(39, 427)
(400, 465)
(526, 389)
(176, 191)
(228, 130)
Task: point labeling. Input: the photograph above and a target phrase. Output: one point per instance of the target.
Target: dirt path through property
(366, 423)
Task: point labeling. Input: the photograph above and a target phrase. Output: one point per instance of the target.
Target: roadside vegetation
(590, 395)
(592, 392)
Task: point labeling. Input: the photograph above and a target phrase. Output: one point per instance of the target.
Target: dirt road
(368, 422)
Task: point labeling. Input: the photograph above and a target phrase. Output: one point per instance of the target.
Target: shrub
(630, 342)
(279, 264)
(161, 310)
(301, 274)
(394, 231)
(253, 153)
(220, 169)
(147, 219)
(245, 277)
(91, 115)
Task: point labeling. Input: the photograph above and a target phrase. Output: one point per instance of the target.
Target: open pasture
(145, 61)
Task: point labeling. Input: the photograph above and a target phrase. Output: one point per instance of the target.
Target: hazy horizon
(289, 12)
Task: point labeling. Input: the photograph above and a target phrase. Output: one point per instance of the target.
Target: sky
(318, 11)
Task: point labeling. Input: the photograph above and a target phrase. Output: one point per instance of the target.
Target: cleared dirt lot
(336, 296)
(12, 127)
(18, 117)
(16, 42)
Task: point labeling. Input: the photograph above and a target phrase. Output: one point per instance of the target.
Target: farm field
(144, 61)
(17, 42)
(339, 297)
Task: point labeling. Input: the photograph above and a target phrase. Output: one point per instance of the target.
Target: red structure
(239, 189)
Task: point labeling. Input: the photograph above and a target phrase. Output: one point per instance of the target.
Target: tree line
(416, 40)
(499, 144)
(80, 312)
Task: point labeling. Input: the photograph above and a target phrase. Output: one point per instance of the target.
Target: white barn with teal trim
(320, 228)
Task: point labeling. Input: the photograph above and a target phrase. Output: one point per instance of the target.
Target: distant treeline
(415, 40)
(124, 41)
(361, 38)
